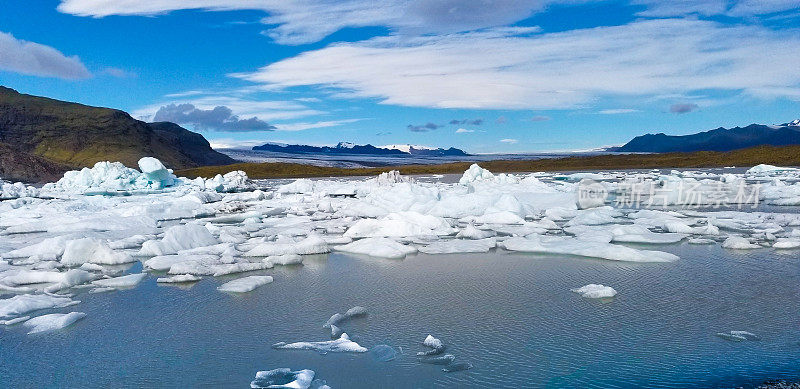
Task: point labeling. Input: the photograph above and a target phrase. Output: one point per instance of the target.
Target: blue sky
(485, 76)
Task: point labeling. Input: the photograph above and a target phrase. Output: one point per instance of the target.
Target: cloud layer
(219, 118)
(35, 59)
(521, 69)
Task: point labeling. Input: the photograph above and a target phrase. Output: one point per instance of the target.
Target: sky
(486, 76)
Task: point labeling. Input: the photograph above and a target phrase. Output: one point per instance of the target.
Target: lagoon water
(511, 315)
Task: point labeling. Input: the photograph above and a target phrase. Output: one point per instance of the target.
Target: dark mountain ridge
(351, 149)
(71, 135)
(719, 139)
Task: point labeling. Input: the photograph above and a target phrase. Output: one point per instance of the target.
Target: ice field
(135, 277)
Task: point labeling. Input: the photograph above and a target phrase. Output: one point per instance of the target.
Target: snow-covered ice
(52, 322)
(283, 378)
(127, 281)
(343, 344)
(595, 291)
(244, 284)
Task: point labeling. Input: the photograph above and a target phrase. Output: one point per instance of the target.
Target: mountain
(720, 139)
(74, 135)
(350, 148)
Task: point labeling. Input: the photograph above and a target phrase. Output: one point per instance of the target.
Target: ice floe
(340, 345)
(22, 304)
(127, 281)
(377, 247)
(585, 248)
(245, 284)
(738, 336)
(595, 291)
(52, 322)
(283, 378)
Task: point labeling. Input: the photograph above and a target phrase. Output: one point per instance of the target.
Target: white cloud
(306, 21)
(617, 111)
(35, 59)
(308, 126)
(119, 73)
(508, 140)
(511, 68)
(735, 8)
(263, 110)
(463, 131)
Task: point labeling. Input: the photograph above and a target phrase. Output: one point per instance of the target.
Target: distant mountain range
(720, 139)
(345, 148)
(40, 138)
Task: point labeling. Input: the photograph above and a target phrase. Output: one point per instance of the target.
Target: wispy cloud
(617, 111)
(219, 118)
(520, 70)
(463, 131)
(683, 108)
(509, 140)
(311, 125)
(424, 127)
(20, 56)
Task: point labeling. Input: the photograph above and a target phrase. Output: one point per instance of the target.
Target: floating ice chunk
(501, 217)
(461, 366)
(383, 353)
(128, 281)
(61, 280)
(313, 244)
(377, 247)
(700, 241)
(336, 332)
(475, 173)
(156, 173)
(584, 248)
(245, 284)
(226, 268)
(130, 242)
(596, 291)
(285, 259)
(400, 224)
(14, 321)
(472, 232)
(343, 344)
(165, 262)
(93, 250)
(738, 336)
(595, 216)
(302, 185)
(178, 279)
(739, 243)
(53, 321)
(436, 345)
(445, 359)
(764, 168)
(787, 243)
(22, 304)
(177, 238)
(16, 190)
(283, 378)
(337, 318)
(459, 246)
(47, 250)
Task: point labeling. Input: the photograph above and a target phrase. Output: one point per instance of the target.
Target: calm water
(511, 315)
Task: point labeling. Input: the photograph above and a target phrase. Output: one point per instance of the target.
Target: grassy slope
(784, 156)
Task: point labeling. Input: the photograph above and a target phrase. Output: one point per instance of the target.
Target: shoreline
(780, 156)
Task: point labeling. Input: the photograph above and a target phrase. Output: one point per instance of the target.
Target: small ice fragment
(245, 284)
(22, 304)
(445, 359)
(53, 321)
(739, 243)
(738, 336)
(14, 321)
(179, 278)
(343, 344)
(383, 353)
(461, 366)
(286, 259)
(283, 378)
(338, 317)
(128, 281)
(436, 345)
(596, 291)
(336, 332)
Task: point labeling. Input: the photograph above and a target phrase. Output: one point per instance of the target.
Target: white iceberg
(128, 281)
(244, 284)
(283, 378)
(52, 322)
(377, 247)
(595, 291)
(343, 344)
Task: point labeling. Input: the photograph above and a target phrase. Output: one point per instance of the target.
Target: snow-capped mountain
(351, 148)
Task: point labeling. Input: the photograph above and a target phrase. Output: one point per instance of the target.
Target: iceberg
(128, 281)
(244, 284)
(459, 246)
(343, 344)
(738, 336)
(22, 304)
(436, 345)
(595, 291)
(283, 378)
(377, 247)
(92, 250)
(337, 318)
(177, 238)
(179, 278)
(584, 248)
(52, 322)
(739, 243)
